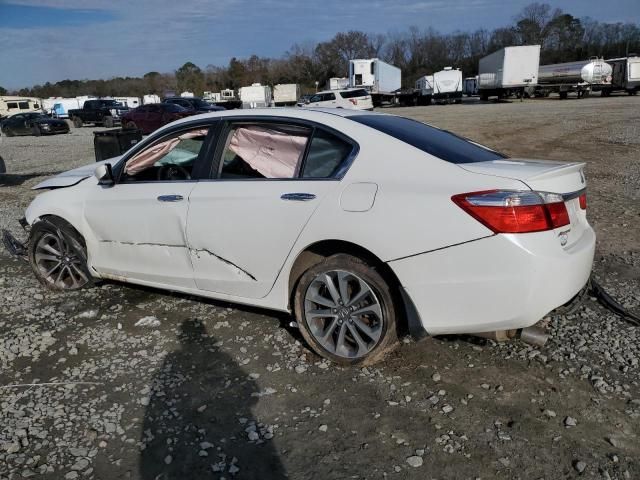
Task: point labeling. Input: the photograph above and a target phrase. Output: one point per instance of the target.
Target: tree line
(417, 52)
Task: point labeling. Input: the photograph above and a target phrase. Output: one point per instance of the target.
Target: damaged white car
(363, 225)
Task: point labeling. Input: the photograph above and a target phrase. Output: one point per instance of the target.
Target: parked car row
(32, 123)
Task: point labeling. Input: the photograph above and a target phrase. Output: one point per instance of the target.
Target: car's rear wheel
(108, 122)
(131, 126)
(77, 122)
(345, 311)
(7, 132)
(58, 255)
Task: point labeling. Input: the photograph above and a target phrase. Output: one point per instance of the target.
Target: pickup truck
(99, 112)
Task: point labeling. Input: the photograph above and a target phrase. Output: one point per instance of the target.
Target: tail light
(509, 211)
(583, 201)
(354, 101)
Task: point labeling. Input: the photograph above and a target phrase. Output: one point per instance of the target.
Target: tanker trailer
(579, 77)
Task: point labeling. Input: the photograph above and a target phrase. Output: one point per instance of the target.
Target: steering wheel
(173, 172)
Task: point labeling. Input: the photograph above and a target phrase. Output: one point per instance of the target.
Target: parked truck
(107, 112)
(286, 94)
(579, 77)
(381, 79)
(508, 71)
(625, 76)
(255, 96)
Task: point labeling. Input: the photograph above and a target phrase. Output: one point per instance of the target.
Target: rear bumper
(500, 282)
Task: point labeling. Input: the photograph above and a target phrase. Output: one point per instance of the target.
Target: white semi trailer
(579, 77)
(508, 71)
(625, 76)
(255, 96)
(381, 79)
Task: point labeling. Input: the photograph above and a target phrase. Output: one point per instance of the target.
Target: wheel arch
(408, 319)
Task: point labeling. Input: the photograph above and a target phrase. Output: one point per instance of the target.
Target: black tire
(131, 126)
(8, 132)
(36, 131)
(77, 122)
(73, 261)
(108, 122)
(346, 263)
(563, 95)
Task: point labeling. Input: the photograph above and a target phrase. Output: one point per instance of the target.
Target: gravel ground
(141, 384)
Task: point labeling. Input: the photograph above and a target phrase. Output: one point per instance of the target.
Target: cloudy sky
(51, 40)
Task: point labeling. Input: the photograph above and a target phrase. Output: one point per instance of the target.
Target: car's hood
(72, 177)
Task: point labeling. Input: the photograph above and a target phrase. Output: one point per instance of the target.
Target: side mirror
(104, 174)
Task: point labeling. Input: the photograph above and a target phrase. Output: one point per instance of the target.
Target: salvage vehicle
(148, 118)
(106, 112)
(352, 98)
(32, 123)
(363, 225)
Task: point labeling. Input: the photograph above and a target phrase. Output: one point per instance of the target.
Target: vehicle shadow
(17, 179)
(196, 422)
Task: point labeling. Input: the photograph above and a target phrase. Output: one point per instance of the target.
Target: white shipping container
(255, 96)
(286, 93)
(150, 98)
(375, 75)
(510, 67)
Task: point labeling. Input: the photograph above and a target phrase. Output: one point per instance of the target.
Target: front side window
(272, 151)
(315, 98)
(173, 158)
(12, 105)
(329, 96)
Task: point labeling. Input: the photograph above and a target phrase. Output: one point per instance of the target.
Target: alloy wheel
(58, 263)
(344, 314)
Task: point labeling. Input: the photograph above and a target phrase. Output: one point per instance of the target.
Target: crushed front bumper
(12, 244)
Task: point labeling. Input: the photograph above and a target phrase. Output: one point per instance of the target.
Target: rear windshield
(440, 143)
(354, 93)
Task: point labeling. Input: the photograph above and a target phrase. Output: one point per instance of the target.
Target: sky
(52, 40)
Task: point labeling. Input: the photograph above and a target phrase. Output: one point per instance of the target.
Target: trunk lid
(564, 178)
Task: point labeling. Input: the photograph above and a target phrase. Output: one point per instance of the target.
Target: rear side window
(24, 105)
(326, 154)
(439, 143)
(354, 93)
(329, 96)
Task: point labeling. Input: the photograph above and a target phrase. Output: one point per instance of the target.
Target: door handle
(298, 197)
(170, 198)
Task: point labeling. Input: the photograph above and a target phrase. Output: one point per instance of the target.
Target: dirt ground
(143, 384)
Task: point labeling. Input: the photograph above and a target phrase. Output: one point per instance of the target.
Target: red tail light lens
(507, 211)
(583, 201)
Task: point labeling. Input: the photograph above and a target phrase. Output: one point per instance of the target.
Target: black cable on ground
(611, 304)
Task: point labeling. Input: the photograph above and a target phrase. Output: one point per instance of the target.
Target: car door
(138, 224)
(153, 119)
(18, 124)
(243, 223)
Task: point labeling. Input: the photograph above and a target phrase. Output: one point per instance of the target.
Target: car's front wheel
(58, 255)
(345, 311)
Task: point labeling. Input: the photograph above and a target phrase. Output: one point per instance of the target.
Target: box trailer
(255, 96)
(508, 71)
(225, 98)
(625, 76)
(337, 83)
(470, 87)
(286, 94)
(150, 98)
(131, 102)
(424, 89)
(381, 79)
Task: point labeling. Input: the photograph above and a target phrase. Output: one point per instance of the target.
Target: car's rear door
(243, 222)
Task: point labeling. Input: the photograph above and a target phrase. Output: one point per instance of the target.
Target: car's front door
(138, 224)
(270, 179)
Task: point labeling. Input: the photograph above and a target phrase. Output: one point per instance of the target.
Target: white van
(353, 98)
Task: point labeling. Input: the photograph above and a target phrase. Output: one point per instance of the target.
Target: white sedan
(363, 225)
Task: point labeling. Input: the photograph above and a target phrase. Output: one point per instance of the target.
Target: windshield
(111, 103)
(443, 144)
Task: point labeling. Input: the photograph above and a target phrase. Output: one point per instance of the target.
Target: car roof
(341, 90)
